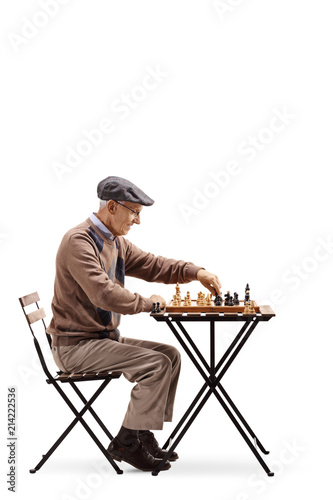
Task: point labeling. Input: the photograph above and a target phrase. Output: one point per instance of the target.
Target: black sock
(127, 436)
(143, 432)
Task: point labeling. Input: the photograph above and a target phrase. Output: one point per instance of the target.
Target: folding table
(212, 373)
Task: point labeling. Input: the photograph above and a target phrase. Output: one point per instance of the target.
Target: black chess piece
(247, 293)
(236, 300)
(154, 308)
(158, 309)
(218, 300)
(228, 299)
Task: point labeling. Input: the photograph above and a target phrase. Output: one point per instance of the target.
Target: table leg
(244, 435)
(242, 419)
(222, 373)
(185, 416)
(177, 440)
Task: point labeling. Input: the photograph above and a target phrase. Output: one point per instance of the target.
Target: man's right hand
(158, 298)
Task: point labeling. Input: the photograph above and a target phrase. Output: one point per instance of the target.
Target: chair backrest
(33, 317)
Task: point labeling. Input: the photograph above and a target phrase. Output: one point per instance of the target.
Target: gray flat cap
(119, 189)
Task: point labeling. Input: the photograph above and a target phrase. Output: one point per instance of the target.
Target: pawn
(246, 308)
(154, 308)
(218, 300)
(158, 309)
(251, 307)
(236, 300)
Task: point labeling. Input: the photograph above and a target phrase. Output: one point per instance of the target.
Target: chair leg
(93, 413)
(55, 446)
(78, 418)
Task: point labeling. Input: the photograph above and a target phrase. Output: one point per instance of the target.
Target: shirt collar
(103, 229)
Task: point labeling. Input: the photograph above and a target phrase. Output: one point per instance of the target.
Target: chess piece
(236, 300)
(247, 293)
(228, 299)
(154, 308)
(201, 301)
(246, 308)
(178, 295)
(158, 309)
(251, 307)
(218, 300)
(187, 299)
(208, 300)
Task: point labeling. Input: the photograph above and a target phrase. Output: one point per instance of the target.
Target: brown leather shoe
(135, 454)
(148, 439)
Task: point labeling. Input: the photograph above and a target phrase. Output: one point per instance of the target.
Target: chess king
(89, 298)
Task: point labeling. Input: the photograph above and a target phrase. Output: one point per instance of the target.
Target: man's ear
(111, 205)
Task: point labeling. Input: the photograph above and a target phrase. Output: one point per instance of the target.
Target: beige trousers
(153, 366)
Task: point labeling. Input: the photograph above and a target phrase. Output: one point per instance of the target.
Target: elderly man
(89, 299)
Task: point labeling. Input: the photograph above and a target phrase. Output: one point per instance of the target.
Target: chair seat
(80, 377)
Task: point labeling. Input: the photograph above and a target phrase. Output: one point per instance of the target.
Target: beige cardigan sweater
(89, 294)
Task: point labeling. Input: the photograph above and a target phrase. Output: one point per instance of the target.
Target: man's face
(123, 217)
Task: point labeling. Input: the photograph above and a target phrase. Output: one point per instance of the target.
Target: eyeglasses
(136, 214)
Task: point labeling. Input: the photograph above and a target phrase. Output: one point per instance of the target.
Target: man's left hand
(209, 281)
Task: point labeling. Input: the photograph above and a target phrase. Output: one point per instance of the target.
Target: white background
(227, 71)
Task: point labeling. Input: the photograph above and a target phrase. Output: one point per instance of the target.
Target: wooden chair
(71, 379)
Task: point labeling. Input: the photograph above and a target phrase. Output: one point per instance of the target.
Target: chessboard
(206, 304)
(194, 307)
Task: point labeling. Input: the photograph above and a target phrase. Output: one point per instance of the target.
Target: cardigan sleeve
(149, 267)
